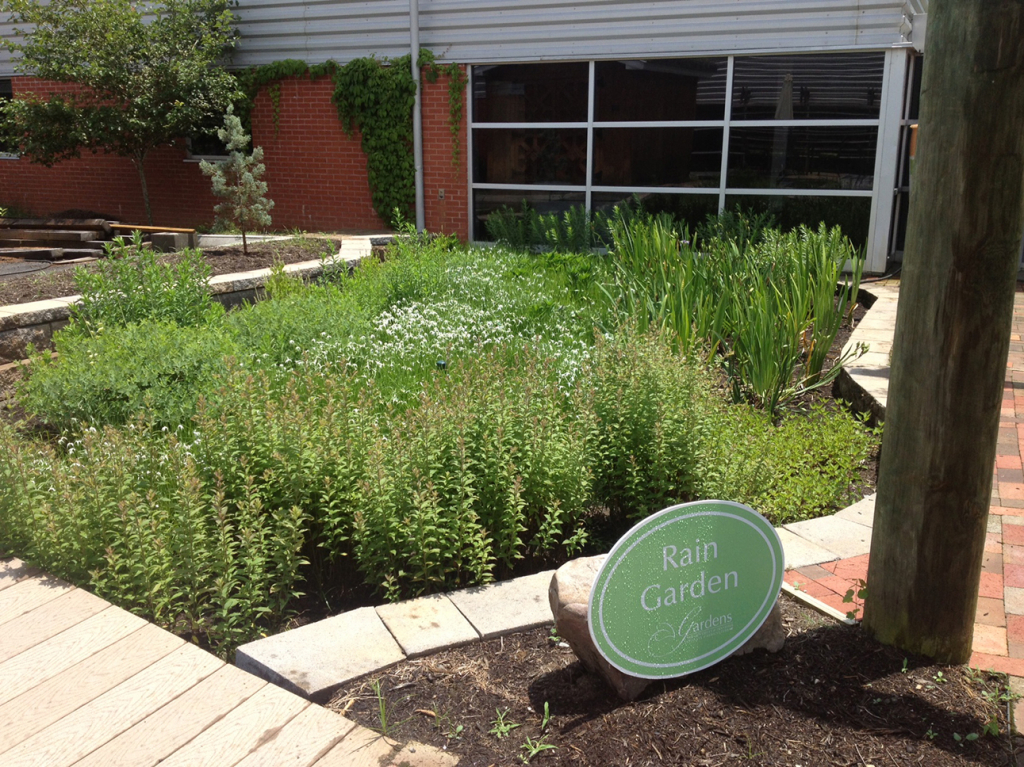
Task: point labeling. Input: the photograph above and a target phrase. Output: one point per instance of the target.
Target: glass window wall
(531, 93)
(796, 134)
(660, 89)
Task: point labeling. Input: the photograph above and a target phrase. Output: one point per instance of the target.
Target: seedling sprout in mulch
(831, 696)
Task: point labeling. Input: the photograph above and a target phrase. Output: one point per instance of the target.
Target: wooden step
(93, 224)
(33, 254)
(48, 235)
(96, 247)
(79, 253)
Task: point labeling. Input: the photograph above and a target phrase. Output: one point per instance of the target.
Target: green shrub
(574, 231)
(109, 377)
(128, 285)
(650, 405)
(279, 330)
(490, 465)
(129, 513)
(738, 226)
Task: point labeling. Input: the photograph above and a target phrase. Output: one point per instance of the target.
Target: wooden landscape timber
(63, 239)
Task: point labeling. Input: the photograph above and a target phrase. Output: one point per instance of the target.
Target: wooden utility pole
(952, 331)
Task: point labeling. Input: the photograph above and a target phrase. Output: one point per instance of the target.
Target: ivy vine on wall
(456, 90)
(375, 96)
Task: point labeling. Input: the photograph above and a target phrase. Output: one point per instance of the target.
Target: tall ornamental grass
(768, 306)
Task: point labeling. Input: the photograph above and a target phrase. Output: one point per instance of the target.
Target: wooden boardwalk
(85, 683)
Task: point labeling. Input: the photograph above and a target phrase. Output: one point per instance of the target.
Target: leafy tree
(237, 180)
(147, 74)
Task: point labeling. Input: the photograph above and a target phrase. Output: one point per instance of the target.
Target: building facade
(801, 108)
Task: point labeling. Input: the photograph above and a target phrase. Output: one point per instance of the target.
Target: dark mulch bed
(58, 280)
(831, 696)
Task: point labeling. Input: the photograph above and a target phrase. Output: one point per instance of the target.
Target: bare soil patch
(58, 280)
(831, 696)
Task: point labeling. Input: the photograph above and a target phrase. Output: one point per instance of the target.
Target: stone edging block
(315, 660)
(508, 606)
(427, 624)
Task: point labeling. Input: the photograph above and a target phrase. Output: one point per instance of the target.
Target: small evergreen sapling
(237, 180)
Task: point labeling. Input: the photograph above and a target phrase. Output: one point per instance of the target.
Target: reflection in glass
(690, 208)
(851, 214)
(530, 156)
(657, 156)
(6, 94)
(660, 89)
(802, 158)
(819, 86)
(486, 201)
(531, 92)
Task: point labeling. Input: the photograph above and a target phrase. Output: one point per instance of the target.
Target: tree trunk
(138, 162)
(245, 246)
(952, 332)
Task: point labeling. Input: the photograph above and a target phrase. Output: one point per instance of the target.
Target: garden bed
(831, 696)
(447, 417)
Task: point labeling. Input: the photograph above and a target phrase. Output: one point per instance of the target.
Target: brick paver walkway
(999, 623)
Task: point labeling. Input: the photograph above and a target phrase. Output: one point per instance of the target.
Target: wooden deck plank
(76, 735)
(47, 620)
(29, 594)
(303, 740)
(360, 748)
(165, 731)
(14, 570)
(33, 667)
(59, 696)
(234, 737)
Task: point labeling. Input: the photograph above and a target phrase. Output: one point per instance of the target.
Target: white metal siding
(463, 30)
(533, 30)
(6, 67)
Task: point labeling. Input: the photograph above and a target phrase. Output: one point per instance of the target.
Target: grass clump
(767, 305)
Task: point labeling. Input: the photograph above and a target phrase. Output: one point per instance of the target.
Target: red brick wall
(451, 214)
(107, 184)
(315, 173)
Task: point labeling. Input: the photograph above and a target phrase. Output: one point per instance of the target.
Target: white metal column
(886, 159)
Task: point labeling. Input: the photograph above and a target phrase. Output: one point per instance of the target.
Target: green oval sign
(685, 588)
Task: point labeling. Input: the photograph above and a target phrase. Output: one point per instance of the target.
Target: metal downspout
(417, 114)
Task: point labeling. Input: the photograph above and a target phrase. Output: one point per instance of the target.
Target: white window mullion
(725, 134)
(590, 136)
